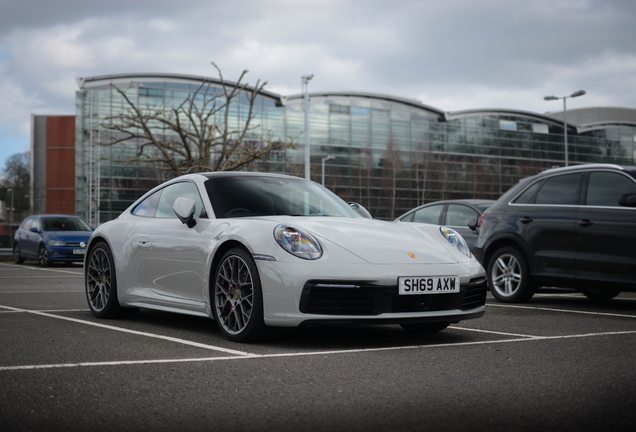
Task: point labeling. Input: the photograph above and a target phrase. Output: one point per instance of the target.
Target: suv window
(605, 189)
(559, 190)
(527, 197)
(428, 215)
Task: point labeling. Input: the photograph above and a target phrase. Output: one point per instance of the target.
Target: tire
(601, 295)
(237, 297)
(17, 258)
(424, 328)
(509, 276)
(43, 257)
(100, 281)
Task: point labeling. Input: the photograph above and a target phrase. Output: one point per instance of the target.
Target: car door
(170, 255)
(23, 235)
(34, 237)
(456, 217)
(548, 227)
(606, 231)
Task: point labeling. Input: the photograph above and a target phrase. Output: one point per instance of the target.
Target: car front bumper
(66, 253)
(294, 294)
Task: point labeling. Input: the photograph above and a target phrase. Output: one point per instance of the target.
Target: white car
(255, 250)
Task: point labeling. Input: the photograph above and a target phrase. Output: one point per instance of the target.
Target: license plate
(79, 251)
(428, 285)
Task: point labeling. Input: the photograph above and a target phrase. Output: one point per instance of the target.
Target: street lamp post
(11, 209)
(323, 167)
(305, 81)
(565, 118)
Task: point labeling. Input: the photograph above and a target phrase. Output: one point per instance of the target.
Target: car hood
(379, 242)
(69, 236)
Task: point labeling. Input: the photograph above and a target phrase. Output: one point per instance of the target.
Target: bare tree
(17, 177)
(197, 135)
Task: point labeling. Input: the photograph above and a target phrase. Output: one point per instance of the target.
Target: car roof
(575, 168)
(474, 202)
(55, 215)
(245, 174)
(458, 201)
(587, 167)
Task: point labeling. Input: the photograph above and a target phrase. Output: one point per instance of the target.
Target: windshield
(64, 224)
(270, 196)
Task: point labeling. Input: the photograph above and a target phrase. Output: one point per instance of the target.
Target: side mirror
(627, 200)
(34, 229)
(472, 224)
(360, 210)
(184, 208)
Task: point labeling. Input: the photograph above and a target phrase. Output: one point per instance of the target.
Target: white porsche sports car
(253, 250)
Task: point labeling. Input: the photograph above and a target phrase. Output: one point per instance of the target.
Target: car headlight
(456, 240)
(297, 242)
(57, 243)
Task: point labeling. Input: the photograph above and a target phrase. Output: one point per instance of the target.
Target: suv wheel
(509, 276)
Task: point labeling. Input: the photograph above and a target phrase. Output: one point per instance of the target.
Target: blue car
(51, 238)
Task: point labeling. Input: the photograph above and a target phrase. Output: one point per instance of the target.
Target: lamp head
(549, 98)
(578, 93)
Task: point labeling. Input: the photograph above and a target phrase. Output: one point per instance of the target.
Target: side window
(428, 214)
(457, 215)
(148, 207)
(36, 224)
(605, 188)
(559, 190)
(407, 218)
(527, 196)
(26, 225)
(174, 191)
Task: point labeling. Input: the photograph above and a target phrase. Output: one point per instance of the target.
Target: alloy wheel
(234, 295)
(506, 275)
(43, 257)
(17, 258)
(99, 283)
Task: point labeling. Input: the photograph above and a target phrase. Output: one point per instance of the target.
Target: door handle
(525, 220)
(586, 223)
(143, 240)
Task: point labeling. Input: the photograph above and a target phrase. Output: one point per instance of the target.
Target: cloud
(454, 55)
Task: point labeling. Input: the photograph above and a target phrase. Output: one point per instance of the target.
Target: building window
(507, 125)
(149, 92)
(339, 109)
(360, 111)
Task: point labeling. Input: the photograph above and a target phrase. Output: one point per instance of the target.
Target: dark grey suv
(569, 227)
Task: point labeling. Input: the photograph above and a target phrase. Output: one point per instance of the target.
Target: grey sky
(453, 55)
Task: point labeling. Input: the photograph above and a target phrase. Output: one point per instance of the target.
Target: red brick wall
(60, 165)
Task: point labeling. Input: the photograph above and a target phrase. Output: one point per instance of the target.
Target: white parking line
(302, 354)
(135, 332)
(42, 292)
(561, 310)
(493, 332)
(24, 267)
(580, 296)
(41, 277)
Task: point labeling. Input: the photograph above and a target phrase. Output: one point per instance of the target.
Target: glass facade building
(390, 154)
(105, 184)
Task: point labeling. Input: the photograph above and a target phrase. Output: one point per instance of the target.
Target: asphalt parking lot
(558, 362)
